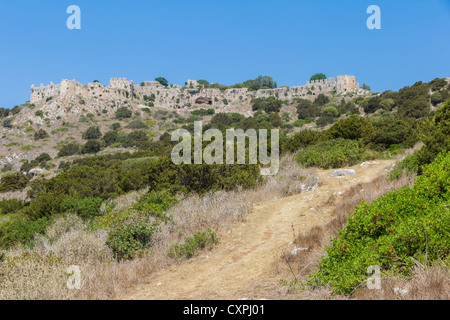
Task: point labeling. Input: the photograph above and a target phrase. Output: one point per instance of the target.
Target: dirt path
(244, 257)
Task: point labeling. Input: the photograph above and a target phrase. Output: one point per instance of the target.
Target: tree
(318, 76)
(40, 134)
(123, 113)
(268, 105)
(371, 105)
(365, 87)
(15, 110)
(321, 100)
(7, 123)
(92, 146)
(69, 150)
(262, 82)
(203, 83)
(275, 120)
(92, 133)
(162, 81)
(110, 137)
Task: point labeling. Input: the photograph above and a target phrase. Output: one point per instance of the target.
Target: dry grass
(427, 283)
(69, 240)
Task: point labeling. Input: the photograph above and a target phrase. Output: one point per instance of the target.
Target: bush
(353, 128)
(92, 133)
(203, 112)
(110, 137)
(92, 146)
(394, 231)
(11, 206)
(137, 124)
(321, 100)
(86, 208)
(123, 113)
(192, 245)
(300, 140)
(131, 238)
(370, 105)
(13, 182)
(268, 105)
(328, 154)
(325, 120)
(40, 134)
(20, 231)
(136, 139)
(7, 123)
(69, 150)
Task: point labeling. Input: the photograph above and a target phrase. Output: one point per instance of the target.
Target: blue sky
(221, 41)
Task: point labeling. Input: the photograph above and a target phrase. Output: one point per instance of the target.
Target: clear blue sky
(221, 41)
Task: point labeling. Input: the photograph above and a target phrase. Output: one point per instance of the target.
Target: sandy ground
(242, 265)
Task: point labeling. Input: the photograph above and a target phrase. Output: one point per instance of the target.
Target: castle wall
(175, 96)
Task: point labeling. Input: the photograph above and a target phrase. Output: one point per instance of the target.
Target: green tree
(162, 81)
(40, 134)
(92, 133)
(92, 146)
(318, 76)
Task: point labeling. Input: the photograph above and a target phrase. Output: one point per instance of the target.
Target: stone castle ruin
(177, 97)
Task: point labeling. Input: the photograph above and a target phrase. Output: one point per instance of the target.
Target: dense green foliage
(11, 206)
(13, 181)
(268, 105)
(69, 150)
(131, 238)
(86, 208)
(318, 76)
(92, 133)
(331, 154)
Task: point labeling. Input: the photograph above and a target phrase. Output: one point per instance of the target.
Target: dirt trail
(245, 256)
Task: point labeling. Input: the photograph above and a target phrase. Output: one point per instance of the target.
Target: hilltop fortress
(174, 96)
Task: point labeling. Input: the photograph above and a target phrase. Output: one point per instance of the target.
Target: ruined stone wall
(175, 96)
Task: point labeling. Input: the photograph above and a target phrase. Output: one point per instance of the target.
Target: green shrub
(203, 112)
(11, 206)
(69, 150)
(301, 140)
(353, 127)
(92, 133)
(192, 245)
(328, 154)
(137, 124)
(155, 204)
(323, 121)
(40, 134)
(123, 113)
(92, 146)
(13, 182)
(268, 105)
(86, 208)
(131, 238)
(20, 230)
(7, 123)
(407, 224)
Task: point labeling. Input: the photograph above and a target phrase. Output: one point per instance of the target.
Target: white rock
(343, 172)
